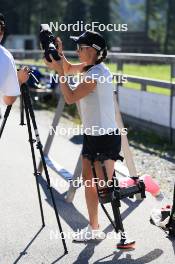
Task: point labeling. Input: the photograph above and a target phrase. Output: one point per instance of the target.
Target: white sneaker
(88, 233)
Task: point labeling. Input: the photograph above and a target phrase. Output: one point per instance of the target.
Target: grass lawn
(155, 71)
(159, 72)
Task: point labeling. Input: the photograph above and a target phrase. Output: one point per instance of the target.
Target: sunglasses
(80, 48)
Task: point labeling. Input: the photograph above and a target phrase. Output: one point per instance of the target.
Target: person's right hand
(23, 75)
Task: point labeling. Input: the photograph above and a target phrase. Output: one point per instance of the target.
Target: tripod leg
(51, 192)
(21, 111)
(36, 174)
(7, 112)
(28, 104)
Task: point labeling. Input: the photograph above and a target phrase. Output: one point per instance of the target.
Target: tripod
(7, 112)
(30, 118)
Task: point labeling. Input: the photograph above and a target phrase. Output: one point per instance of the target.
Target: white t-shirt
(9, 84)
(97, 109)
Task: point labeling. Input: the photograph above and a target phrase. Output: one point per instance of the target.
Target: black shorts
(108, 146)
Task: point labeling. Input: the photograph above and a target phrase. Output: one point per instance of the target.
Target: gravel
(160, 167)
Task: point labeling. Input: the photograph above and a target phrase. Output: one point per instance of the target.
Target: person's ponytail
(101, 56)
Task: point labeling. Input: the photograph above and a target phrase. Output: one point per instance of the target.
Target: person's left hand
(55, 65)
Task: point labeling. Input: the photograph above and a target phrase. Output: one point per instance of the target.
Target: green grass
(154, 71)
(160, 72)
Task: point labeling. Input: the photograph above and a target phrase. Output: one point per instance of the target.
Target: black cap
(92, 39)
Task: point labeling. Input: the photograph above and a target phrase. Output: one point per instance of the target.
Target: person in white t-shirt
(10, 79)
(94, 96)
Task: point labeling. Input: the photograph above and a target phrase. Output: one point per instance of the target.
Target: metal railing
(113, 56)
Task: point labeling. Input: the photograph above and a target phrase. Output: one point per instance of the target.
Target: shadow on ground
(77, 220)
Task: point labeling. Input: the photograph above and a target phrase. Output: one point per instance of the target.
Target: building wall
(18, 41)
(147, 110)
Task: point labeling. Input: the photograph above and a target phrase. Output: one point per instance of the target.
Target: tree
(75, 11)
(169, 45)
(100, 11)
(25, 17)
(156, 20)
(8, 8)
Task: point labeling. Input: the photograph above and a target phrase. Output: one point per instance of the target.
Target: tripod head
(25, 86)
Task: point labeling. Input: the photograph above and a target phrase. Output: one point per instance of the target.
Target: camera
(47, 41)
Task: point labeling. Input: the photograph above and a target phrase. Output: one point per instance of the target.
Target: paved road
(23, 240)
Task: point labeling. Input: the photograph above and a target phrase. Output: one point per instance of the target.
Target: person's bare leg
(91, 192)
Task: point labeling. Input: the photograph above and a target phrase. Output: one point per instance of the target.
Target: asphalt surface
(23, 240)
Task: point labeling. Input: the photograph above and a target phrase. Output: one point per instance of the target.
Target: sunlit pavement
(23, 240)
